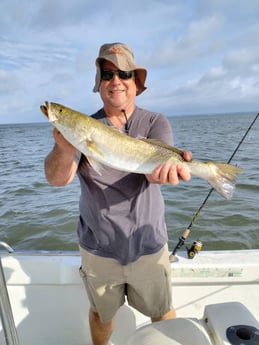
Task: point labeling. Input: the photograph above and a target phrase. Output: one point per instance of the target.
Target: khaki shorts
(146, 283)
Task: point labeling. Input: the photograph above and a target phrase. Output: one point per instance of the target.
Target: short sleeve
(161, 129)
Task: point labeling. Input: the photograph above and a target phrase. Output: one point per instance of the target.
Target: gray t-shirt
(122, 214)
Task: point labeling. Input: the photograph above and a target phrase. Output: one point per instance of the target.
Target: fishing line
(187, 231)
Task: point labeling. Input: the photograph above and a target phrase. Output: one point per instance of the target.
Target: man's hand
(60, 164)
(167, 173)
(62, 144)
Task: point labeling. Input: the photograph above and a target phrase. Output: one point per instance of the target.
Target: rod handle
(185, 234)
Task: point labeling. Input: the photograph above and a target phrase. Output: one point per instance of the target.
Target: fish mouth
(44, 109)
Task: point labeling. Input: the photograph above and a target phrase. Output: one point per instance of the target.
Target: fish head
(53, 111)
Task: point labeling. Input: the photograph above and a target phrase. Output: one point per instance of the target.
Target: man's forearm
(60, 166)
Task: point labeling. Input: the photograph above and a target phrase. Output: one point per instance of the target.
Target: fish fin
(95, 165)
(162, 144)
(224, 178)
(93, 148)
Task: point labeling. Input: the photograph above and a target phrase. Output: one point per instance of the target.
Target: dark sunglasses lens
(108, 75)
(125, 74)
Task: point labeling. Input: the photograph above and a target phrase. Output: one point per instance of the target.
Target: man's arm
(62, 162)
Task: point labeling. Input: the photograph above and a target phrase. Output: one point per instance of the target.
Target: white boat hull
(50, 305)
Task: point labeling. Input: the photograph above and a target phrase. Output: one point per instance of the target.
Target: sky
(202, 56)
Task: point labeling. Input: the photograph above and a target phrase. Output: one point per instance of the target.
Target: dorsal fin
(164, 145)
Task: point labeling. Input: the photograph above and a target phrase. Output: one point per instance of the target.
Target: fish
(106, 145)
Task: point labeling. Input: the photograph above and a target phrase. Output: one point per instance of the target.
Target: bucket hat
(122, 57)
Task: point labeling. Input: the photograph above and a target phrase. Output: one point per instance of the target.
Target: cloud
(201, 56)
(8, 82)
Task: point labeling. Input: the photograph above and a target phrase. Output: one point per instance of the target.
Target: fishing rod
(187, 231)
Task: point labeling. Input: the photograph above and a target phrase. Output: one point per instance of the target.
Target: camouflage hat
(122, 57)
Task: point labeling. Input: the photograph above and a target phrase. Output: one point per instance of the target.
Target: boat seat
(179, 331)
(231, 323)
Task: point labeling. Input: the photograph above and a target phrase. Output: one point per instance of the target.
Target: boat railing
(10, 331)
(6, 246)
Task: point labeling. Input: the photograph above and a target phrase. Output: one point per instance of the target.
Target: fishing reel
(195, 248)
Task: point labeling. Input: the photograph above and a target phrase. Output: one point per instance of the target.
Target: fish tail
(223, 178)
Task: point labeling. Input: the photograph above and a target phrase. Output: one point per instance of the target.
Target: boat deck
(50, 306)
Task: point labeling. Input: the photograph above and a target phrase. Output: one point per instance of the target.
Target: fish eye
(60, 110)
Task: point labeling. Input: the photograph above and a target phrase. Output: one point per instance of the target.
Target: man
(121, 229)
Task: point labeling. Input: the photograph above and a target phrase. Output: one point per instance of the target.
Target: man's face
(117, 93)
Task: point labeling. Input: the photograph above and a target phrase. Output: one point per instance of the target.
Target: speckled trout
(105, 145)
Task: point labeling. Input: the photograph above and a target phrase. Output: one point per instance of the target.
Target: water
(37, 216)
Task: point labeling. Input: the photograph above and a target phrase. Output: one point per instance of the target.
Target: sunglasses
(124, 75)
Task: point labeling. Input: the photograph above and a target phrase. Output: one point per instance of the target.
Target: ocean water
(37, 216)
